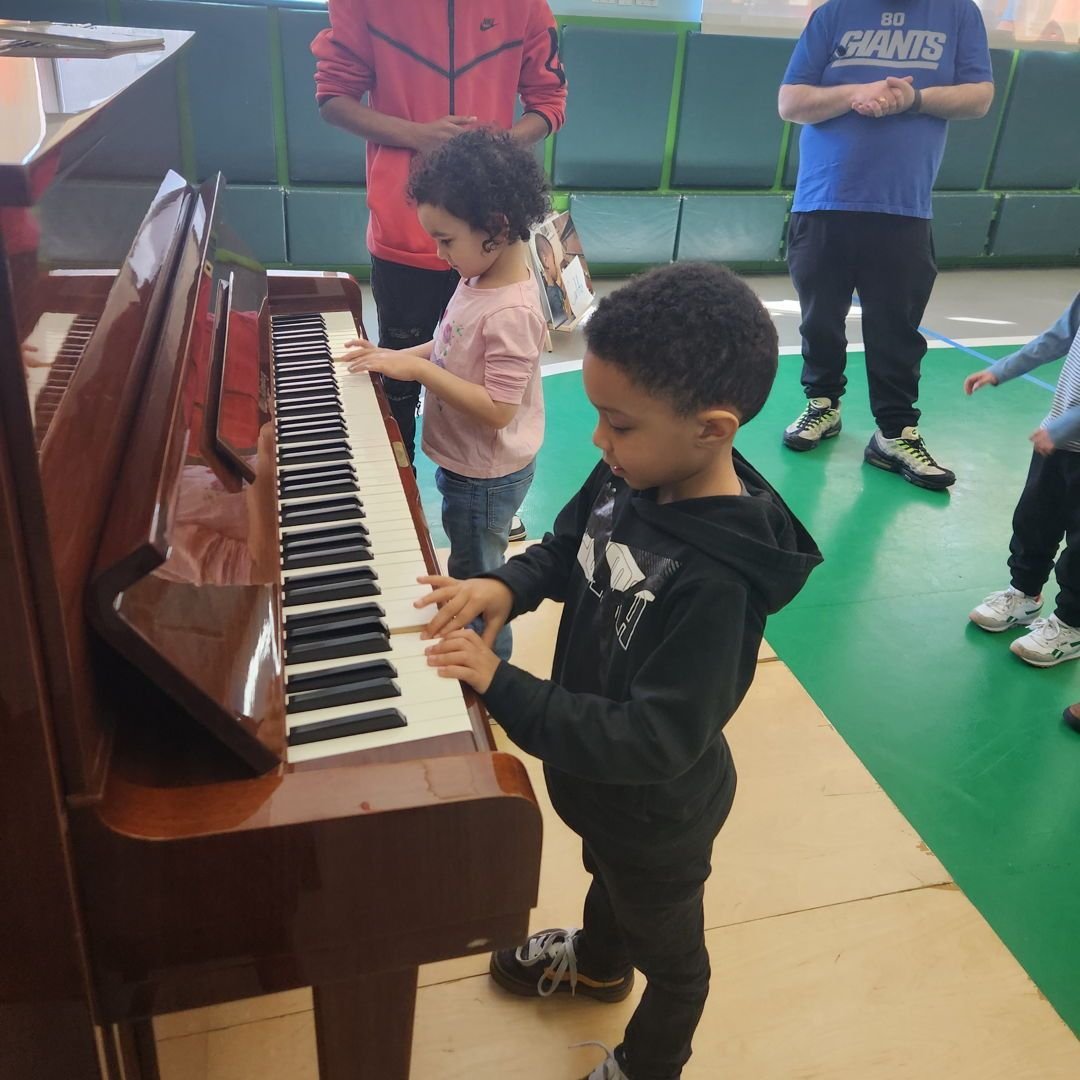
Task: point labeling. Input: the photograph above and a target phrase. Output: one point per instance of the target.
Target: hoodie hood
(756, 534)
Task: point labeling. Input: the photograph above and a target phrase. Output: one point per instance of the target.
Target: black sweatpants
(410, 302)
(889, 261)
(651, 919)
(1049, 511)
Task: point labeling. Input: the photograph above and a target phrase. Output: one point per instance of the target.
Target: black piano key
(293, 412)
(316, 621)
(302, 477)
(321, 487)
(291, 396)
(331, 470)
(329, 585)
(335, 451)
(353, 533)
(345, 693)
(296, 361)
(304, 380)
(342, 675)
(297, 437)
(348, 508)
(310, 364)
(327, 556)
(311, 336)
(301, 339)
(294, 429)
(303, 390)
(339, 646)
(353, 724)
(307, 384)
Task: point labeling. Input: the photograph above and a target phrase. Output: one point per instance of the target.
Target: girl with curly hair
(483, 421)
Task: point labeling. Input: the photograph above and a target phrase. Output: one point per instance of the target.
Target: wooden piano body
(161, 848)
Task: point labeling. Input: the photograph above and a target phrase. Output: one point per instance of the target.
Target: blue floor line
(981, 356)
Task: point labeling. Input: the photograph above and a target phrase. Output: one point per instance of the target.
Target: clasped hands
(459, 652)
(885, 98)
(362, 355)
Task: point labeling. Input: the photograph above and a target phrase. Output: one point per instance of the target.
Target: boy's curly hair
(692, 333)
(482, 176)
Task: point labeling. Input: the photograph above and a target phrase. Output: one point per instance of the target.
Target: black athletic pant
(410, 302)
(651, 919)
(889, 261)
(1049, 510)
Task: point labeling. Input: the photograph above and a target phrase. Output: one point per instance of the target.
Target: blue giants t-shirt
(885, 165)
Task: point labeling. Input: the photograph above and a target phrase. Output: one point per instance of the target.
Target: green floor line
(965, 738)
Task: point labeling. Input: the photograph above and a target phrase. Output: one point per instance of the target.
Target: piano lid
(52, 108)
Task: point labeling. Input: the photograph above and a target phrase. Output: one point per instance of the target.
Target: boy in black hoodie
(668, 561)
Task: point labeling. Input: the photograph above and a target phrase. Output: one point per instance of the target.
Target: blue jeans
(476, 516)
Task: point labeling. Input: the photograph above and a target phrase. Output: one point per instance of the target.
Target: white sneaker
(517, 530)
(1050, 642)
(817, 422)
(1007, 608)
(608, 1069)
(909, 457)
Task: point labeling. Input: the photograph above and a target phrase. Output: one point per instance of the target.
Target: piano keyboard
(356, 676)
(54, 349)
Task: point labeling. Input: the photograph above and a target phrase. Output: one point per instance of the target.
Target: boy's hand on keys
(978, 381)
(1043, 443)
(462, 655)
(462, 601)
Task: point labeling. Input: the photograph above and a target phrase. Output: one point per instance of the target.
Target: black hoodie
(665, 607)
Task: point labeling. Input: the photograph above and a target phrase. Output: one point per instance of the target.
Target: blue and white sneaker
(1049, 643)
(1005, 609)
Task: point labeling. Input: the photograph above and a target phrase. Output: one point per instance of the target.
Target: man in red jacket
(429, 70)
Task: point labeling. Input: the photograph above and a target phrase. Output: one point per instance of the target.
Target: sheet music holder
(42, 39)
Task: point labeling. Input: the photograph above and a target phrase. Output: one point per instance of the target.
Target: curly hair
(483, 177)
(692, 333)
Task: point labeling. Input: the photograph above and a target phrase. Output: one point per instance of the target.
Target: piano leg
(364, 1027)
(137, 1049)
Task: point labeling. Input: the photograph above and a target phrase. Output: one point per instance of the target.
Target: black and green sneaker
(820, 420)
(908, 456)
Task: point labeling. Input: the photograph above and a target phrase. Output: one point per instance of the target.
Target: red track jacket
(425, 59)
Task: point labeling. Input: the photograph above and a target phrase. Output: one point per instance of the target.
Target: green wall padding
(729, 129)
(733, 228)
(616, 125)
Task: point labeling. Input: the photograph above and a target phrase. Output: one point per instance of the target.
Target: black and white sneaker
(548, 964)
(817, 422)
(1048, 643)
(517, 530)
(909, 457)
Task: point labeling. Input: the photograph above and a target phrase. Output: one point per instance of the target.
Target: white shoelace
(1049, 629)
(813, 418)
(556, 948)
(608, 1069)
(999, 602)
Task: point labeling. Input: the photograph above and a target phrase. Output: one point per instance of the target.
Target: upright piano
(227, 769)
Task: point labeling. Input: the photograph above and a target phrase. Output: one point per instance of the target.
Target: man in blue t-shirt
(875, 83)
